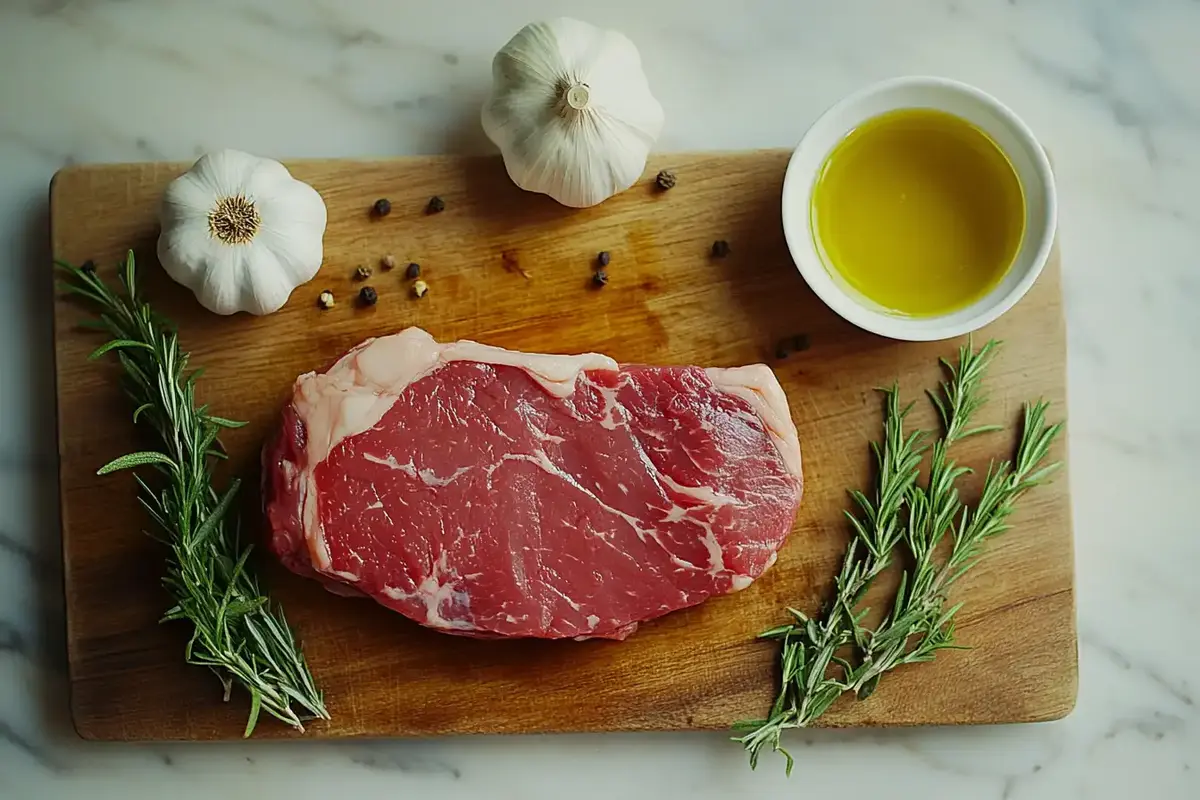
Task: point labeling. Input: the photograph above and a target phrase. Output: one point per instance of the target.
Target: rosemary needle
(821, 658)
(236, 632)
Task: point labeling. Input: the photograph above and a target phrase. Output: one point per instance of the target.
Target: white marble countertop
(1110, 86)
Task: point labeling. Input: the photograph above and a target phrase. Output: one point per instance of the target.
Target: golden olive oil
(919, 211)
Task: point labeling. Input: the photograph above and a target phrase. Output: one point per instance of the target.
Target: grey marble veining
(1109, 85)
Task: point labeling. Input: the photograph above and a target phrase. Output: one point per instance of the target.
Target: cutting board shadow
(513, 269)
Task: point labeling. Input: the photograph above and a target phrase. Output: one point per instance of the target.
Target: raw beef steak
(487, 492)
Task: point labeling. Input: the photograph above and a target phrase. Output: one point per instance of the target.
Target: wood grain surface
(513, 269)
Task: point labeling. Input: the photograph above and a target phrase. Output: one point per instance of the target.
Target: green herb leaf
(867, 688)
(255, 706)
(226, 423)
(135, 460)
(116, 344)
(215, 516)
(778, 632)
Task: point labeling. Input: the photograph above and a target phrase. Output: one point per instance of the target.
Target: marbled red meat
(486, 492)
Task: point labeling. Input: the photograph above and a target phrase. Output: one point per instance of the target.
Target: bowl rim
(797, 184)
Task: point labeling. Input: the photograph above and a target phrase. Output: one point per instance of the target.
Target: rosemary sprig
(237, 633)
(808, 647)
(814, 669)
(932, 510)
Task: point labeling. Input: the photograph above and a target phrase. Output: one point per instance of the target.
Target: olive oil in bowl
(918, 211)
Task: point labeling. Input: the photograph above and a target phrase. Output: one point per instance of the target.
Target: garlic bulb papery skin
(571, 111)
(240, 232)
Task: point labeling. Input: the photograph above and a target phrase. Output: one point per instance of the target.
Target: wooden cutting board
(513, 269)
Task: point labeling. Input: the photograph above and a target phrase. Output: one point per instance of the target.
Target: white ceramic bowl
(981, 109)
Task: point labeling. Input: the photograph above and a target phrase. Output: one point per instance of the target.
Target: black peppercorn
(368, 296)
(413, 271)
(801, 342)
(665, 180)
(783, 350)
(720, 248)
(603, 258)
(89, 267)
(382, 207)
(436, 205)
(600, 278)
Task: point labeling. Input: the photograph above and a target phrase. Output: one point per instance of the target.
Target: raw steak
(491, 493)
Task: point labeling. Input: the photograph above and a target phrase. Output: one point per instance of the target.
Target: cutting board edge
(54, 189)
(315, 732)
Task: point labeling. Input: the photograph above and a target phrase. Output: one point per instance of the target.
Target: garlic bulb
(240, 232)
(571, 111)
